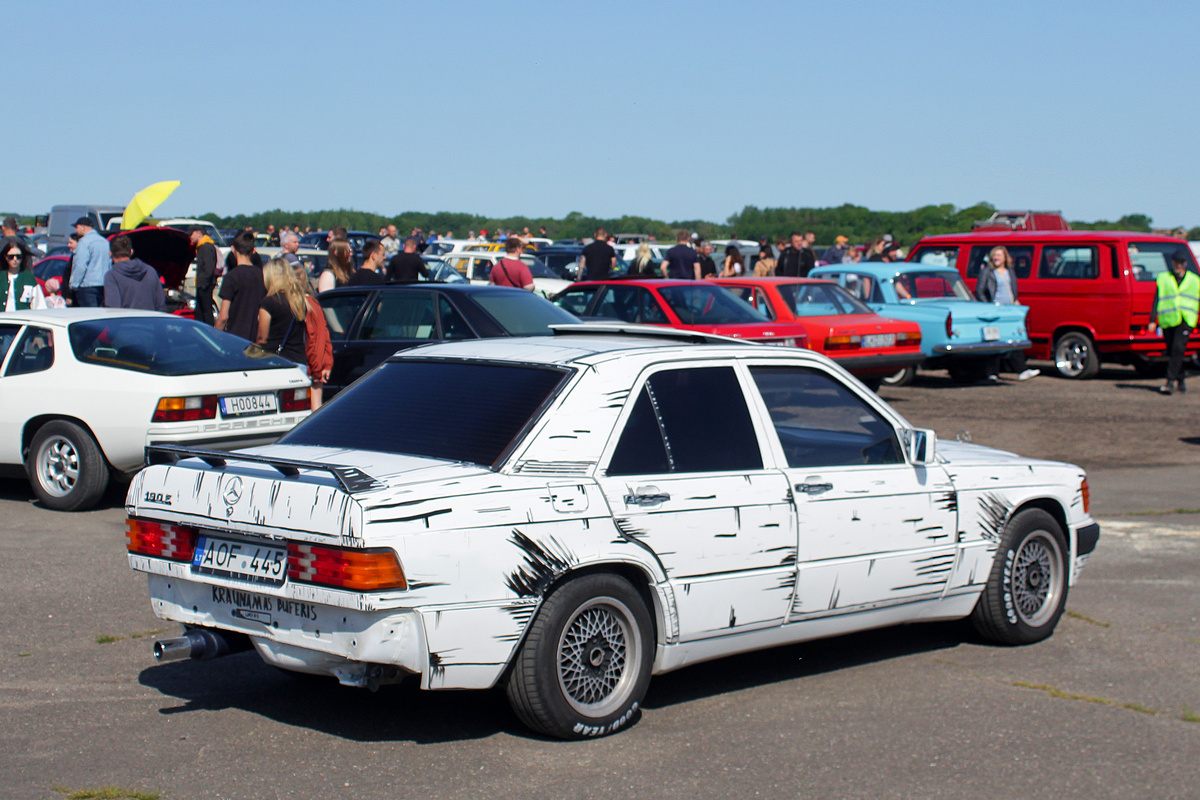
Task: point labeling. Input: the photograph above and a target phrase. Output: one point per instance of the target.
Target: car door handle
(813, 488)
(646, 499)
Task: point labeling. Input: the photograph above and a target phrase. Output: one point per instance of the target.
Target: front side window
(340, 310)
(577, 299)
(821, 423)
(630, 303)
(1079, 263)
(8, 334)
(1022, 256)
(34, 352)
(688, 420)
(937, 256)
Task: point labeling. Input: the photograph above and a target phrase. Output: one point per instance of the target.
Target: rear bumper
(1086, 539)
(880, 363)
(981, 348)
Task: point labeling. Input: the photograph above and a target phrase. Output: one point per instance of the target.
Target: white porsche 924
(615, 505)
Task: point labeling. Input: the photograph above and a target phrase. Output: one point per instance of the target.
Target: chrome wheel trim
(1037, 578)
(1070, 357)
(597, 657)
(57, 464)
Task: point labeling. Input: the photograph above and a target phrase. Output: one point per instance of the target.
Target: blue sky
(667, 110)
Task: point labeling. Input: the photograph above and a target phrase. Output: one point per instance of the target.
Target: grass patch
(1054, 691)
(104, 638)
(106, 793)
(154, 632)
(1078, 616)
(24, 655)
(1189, 716)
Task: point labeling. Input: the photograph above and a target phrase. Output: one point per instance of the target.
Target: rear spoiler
(351, 479)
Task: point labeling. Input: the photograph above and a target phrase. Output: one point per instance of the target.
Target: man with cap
(1175, 309)
(90, 266)
(837, 253)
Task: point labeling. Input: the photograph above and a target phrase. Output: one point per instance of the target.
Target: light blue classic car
(958, 333)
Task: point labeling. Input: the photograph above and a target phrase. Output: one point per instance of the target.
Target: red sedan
(690, 305)
(839, 325)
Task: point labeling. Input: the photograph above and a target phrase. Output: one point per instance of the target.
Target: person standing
(318, 348)
(734, 265)
(682, 262)
(998, 284)
(391, 242)
(131, 283)
(242, 291)
(280, 327)
(1175, 308)
(91, 265)
(598, 259)
(511, 270)
(764, 266)
(797, 259)
(643, 263)
(19, 290)
(272, 236)
(407, 266)
(369, 274)
(206, 275)
(837, 253)
(339, 266)
(291, 244)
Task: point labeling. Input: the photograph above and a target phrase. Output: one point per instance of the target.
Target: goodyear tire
(585, 664)
(1026, 590)
(65, 467)
(1075, 356)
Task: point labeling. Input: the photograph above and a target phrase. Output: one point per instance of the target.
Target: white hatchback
(84, 391)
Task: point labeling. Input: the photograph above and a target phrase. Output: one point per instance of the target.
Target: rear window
(699, 304)
(405, 403)
(163, 346)
(1148, 259)
(817, 300)
(522, 313)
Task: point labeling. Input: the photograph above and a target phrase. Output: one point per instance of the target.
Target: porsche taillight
(294, 400)
(185, 409)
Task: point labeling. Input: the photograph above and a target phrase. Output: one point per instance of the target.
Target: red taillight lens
(949, 330)
(149, 538)
(294, 400)
(185, 409)
(909, 339)
(843, 342)
(1087, 496)
(361, 570)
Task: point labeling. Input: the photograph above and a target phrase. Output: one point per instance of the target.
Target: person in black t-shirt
(681, 261)
(708, 267)
(598, 258)
(369, 273)
(405, 267)
(242, 290)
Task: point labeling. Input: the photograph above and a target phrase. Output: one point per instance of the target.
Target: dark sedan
(369, 323)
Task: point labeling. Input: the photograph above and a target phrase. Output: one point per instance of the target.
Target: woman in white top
(734, 265)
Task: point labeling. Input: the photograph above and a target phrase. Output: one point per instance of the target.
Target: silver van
(62, 221)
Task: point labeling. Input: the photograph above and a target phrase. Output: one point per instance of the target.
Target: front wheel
(1075, 355)
(1026, 590)
(585, 664)
(65, 467)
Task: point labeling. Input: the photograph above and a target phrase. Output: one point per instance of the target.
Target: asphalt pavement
(1109, 707)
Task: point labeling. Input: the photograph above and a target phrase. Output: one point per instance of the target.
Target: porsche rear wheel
(65, 467)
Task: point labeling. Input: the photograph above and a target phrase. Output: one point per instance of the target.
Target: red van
(1089, 292)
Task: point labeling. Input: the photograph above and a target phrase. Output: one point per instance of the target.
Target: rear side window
(937, 256)
(406, 403)
(339, 312)
(522, 313)
(401, 315)
(1022, 256)
(688, 420)
(1068, 263)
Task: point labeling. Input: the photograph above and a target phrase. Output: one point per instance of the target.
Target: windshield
(820, 300)
(164, 346)
(523, 313)
(700, 304)
(406, 403)
(1148, 259)
(942, 283)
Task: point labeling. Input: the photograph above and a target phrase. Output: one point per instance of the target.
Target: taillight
(843, 342)
(361, 570)
(185, 409)
(949, 331)
(294, 400)
(1087, 496)
(160, 539)
(910, 339)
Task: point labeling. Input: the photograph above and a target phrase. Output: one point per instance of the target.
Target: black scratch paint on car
(424, 584)
(947, 501)
(790, 558)
(993, 513)
(704, 497)
(436, 669)
(725, 535)
(398, 504)
(627, 530)
(563, 436)
(915, 520)
(918, 585)
(542, 563)
(199, 484)
(275, 487)
(732, 617)
(425, 517)
(834, 594)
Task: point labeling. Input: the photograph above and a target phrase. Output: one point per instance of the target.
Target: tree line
(858, 223)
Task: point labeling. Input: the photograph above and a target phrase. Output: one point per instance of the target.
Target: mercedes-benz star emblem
(233, 491)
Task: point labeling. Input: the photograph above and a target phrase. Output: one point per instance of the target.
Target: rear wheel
(1026, 590)
(65, 467)
(902, 377)
(1075, 355)
(585, 663)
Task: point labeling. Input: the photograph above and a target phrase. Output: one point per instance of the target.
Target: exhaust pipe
(200, 644)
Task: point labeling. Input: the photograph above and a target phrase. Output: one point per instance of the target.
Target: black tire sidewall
(93, 471)
(995, 614)
(1091, 364)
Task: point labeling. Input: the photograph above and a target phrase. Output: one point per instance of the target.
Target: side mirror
(919, 445)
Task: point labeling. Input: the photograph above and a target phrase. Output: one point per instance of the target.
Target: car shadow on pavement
(792, 662)
(18, 490)
(394, 713)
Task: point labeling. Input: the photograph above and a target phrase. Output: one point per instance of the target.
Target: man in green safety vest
(1176, 305)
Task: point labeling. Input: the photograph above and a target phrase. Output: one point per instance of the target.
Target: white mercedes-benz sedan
(610, 506)
(84, 391)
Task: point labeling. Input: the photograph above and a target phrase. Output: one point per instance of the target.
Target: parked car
(85, 390)
(870, 346)
(1088, 292)
(319, 240)
(574, 530)
(688, 305)
(369, 323)
(477, 267)
(958, 333)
